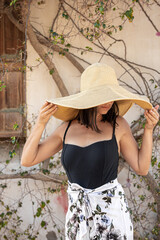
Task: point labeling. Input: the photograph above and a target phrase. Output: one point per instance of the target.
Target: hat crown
(96, 75)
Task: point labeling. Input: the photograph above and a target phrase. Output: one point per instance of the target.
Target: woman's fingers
(51, 109)
(154, 112)
(152, 116)
(46, 111)
(50, 105)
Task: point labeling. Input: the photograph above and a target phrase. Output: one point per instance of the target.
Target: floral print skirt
(100, 213)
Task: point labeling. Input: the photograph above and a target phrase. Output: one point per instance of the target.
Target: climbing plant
(98, 25)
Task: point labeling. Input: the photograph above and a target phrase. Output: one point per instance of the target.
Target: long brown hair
(87, 117)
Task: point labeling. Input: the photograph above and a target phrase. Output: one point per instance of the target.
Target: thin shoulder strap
(114, 124)
(66, 131)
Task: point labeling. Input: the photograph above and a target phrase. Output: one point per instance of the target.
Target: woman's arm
(30, 148)
(139, 159)
(34, 151)
(145, 153)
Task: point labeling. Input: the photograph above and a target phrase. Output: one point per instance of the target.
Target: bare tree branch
(44, 56)
(150, 20)
(59, 49)
(36, 176)
(157, 2)
(20, 26)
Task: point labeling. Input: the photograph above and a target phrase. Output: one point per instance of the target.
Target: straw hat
(98, 85)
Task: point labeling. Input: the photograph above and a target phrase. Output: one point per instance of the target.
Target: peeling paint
(62, 199)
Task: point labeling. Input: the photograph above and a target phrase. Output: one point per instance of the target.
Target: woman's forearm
(30, 148)
(145, 152)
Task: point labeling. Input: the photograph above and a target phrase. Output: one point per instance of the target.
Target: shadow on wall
(51, 236)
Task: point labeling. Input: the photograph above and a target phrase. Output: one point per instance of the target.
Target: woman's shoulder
(121, 120)
(60, 130)
(123, 125)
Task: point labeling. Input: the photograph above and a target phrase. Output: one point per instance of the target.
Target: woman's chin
(104, 111)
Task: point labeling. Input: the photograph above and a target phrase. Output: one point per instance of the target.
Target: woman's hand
(152, 117)
(45, 112)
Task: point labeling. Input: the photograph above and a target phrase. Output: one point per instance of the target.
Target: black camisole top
(93, 165)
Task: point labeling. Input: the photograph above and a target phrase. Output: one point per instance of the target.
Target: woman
(92, 136)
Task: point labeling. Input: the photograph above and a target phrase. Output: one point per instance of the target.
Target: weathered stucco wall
(143, 46)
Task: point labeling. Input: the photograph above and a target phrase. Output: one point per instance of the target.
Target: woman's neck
(98, 117)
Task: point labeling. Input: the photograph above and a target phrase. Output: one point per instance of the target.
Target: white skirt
(100, 213)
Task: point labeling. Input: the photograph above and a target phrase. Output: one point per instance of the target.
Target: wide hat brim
(68, 106)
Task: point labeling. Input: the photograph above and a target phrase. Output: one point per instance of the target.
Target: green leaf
(61, 39)
(153, 160)
(109, 32)
(65, 15)
(19, 183)
(129, 14)
(151, 80)
(13, 139)
(68, 45)
(20, 204)
(39, 210)
(9, 213)
(101, 9)
(62, 53)
(51, 165)
(43, 224)
(12, 153)
(142, 197)
(120, 27)
(2, 215)
(43, 204)
(45, 171)
(3, 185)
(54, 34)
(51, 71)
(98, 208)
(15, 126)
(13, 2)
(66, 49)
(97, 24)
(143, 125)
(89, 48)
(23, 173)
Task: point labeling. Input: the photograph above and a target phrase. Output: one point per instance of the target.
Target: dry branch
(44, 56)
(59, 49)
(36, 176)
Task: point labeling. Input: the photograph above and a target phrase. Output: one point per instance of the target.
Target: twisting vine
(96, 26)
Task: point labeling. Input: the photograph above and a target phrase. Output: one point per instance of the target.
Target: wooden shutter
(11, 105)
(13, 95)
